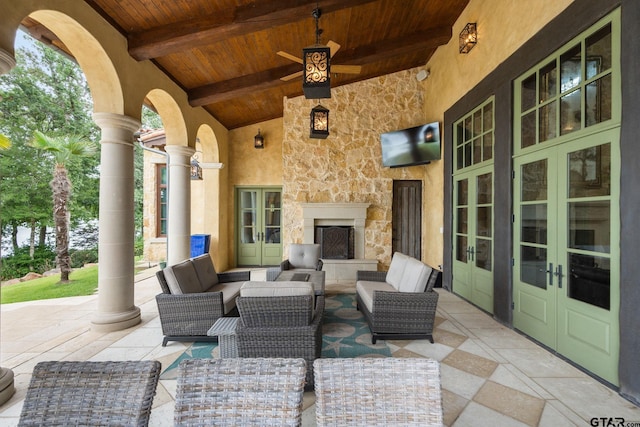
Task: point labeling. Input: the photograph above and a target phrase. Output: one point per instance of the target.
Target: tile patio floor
(491, 375)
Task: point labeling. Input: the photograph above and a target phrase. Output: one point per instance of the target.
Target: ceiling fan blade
(289, 56)
(346, 69)
(333, 46)
(291, 76)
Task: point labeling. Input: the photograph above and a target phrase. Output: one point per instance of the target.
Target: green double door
(473, 240)
(259, 226)
(566, 250)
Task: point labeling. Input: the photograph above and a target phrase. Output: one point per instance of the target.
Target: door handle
(472, 253)
(559, 274)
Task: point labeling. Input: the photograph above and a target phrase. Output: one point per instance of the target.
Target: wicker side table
(225, 330)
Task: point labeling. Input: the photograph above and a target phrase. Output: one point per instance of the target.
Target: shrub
(83, 256)
(20, 263)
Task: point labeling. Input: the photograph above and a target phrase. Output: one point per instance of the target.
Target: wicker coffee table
(225, 330)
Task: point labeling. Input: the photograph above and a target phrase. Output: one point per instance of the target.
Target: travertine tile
(476, 415)
(471, 363)
(510, 402)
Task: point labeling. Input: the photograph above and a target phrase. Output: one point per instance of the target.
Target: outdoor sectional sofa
(399, 303)
(194, 296)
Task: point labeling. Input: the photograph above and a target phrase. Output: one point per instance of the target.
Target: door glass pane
(528, 91)
(483, 254)
(533, 228)
(534, 181)
(487, 146)
(487, 117)
(570, 72)
(485, 188)
(477, 150)
(570, 112)
(477, 123)
(483, 221)
(548, 122)
(272, 216)
(467, 154)
(548, 77)
(461, 248)
(589, 280)
(528, 131)
(598, 101)
(462, 221)
(599, 49)
(248, 202)
(533, 266)
(589, 226)
(463, 192)
(590, 172)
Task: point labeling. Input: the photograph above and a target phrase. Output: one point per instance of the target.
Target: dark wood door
(407, 218)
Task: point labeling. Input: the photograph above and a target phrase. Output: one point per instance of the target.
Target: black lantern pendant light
(319, 122)
(258, 140)
(316, 60)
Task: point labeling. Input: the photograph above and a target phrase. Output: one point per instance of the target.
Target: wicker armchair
(378, 392)
(187, 314)
(400, 303)
(90, 393)
(302, 257)
(240, 392)
(281, 326)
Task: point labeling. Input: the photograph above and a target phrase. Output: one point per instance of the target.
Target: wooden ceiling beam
(240, 21)
(240, 86)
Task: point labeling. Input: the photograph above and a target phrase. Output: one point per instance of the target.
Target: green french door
(259, 226)
(566, 200)
(473, 241)
(566, 232)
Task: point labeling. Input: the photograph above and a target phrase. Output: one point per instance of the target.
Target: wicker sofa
(194, 296)
(399, 303)
(280, 319)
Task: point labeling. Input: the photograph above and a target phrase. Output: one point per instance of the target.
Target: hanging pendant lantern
(319, 122)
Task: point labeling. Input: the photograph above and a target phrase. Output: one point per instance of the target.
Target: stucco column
(179, 220)
(7, 388)
(116, 310)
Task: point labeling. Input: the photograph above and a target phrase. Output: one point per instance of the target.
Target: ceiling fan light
(316, 77)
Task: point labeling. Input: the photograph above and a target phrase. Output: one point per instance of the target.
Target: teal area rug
(345, 333)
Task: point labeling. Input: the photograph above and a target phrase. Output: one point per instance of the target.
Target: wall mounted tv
(413, 146)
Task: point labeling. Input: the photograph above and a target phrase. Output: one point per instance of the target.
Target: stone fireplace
(345, 216)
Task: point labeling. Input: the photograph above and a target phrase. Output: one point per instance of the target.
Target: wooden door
(407, 218)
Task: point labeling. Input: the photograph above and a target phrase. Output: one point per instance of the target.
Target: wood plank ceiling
(223, 52)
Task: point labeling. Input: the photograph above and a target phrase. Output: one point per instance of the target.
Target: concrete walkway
(491, 375)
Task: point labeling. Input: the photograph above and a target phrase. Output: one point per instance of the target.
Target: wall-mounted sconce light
(258, 140)
(316, 66)
(468, 37)
(196, 169)
(319, 122)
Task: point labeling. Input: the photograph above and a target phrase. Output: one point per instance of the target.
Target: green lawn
(83, 281)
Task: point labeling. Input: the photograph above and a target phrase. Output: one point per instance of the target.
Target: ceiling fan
(333, 47)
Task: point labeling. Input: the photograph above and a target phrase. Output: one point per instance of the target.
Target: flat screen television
(413, 146)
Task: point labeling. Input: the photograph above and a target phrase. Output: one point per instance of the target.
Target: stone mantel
(352, 214)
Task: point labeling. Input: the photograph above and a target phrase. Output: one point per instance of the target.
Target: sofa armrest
(285, 265)
(319, 265)
(234, 276)
(403, 311)
(189, 314)
(163, 282)
(371, 276)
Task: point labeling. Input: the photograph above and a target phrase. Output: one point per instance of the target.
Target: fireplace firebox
(336, 242)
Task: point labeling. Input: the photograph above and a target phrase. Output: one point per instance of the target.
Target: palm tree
(63, 149)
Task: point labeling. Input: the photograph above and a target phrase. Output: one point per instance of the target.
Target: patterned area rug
(344, 334)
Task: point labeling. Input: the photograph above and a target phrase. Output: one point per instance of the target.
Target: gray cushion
(277, 289)
(365, 289)
(206, 271)
(304, 255)
(182, 278)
